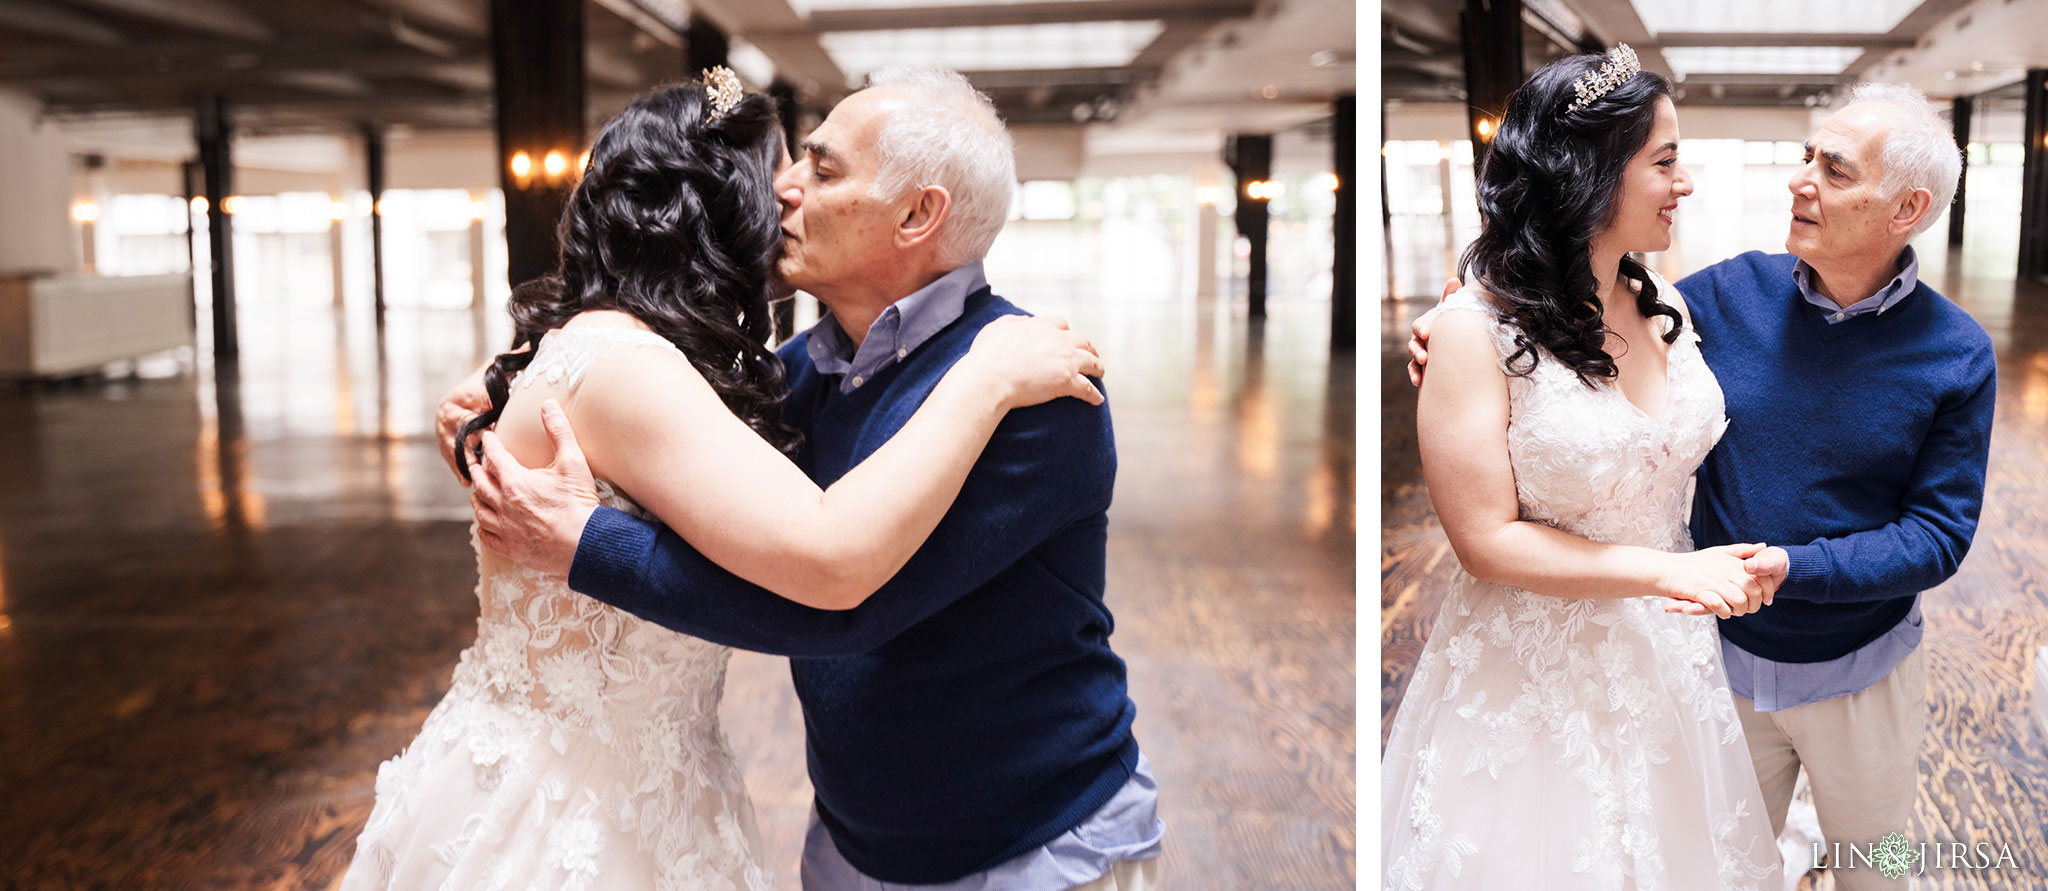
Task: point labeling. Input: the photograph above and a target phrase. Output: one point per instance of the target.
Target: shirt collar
(901, 328)
(1886, 297)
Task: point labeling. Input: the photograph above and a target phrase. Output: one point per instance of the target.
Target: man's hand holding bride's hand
(1418, 334)
(534, 516)
(1034, 359)
(1725, 581)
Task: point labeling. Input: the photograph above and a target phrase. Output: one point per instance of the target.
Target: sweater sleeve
(1937, 517)
(1046, 467)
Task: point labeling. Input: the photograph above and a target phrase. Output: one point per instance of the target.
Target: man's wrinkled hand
(462, 403)
(534, 516)
(1418, 334)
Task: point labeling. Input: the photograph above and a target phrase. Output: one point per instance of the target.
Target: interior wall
(36, 231)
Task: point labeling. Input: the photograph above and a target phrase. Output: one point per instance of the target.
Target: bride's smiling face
(1650, 187)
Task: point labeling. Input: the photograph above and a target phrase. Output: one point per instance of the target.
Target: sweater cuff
(610, 554)
(1806, 579)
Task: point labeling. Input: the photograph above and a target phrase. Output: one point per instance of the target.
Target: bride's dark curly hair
(1549, 183)
(675, 222)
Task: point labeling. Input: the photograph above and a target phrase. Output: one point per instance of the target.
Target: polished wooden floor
(1984, 765)
(225, 597)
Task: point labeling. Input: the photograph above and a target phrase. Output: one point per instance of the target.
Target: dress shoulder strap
(565, 355)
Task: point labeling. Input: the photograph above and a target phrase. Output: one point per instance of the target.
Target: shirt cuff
(611, 553)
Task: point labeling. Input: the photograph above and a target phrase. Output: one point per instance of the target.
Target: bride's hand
(1034, 359)
(1717, 581)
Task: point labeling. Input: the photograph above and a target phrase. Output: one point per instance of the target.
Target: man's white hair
(1920, 151)
(950, 137)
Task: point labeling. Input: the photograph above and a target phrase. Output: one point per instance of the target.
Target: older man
(968, 725)
(1859, 403)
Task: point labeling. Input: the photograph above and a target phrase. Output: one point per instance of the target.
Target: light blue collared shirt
(1125, 828)
(894, 334)
(1885, 298)
(1776, 686)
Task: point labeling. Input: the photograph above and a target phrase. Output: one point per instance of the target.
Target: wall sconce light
(1209, 196)
(85, 212)
(522, 169)
(199, 204)
(1485, 128)
(1263, 190)
(1324, 182)
(551, 168)
(231, 204)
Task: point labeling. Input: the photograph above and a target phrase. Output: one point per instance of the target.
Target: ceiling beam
(1670, 39)
(1761, 80)
(987, 15)
(1423, 20)
(777, 31)
(1916, 25)
(1030, 78)
(185, 59)
(653, 25)
(52, 21)
(1616, 21)
(1178, 35)
(465, 17)
(215, 16)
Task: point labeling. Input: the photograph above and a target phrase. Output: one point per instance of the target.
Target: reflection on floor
(224, 599)
(1984, 765)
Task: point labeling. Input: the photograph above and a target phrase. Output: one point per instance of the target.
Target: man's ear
(1912, 207)
(919, 219)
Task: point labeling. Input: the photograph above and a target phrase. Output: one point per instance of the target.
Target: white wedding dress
(578, 747)
(1547, 743)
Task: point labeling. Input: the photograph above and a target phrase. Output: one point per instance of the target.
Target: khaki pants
(1862, 756)
(1129, 875)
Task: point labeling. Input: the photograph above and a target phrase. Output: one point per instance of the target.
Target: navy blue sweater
(1858, 447)
(971, 710)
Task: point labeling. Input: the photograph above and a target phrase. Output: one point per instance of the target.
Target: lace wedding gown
(578, 747)
(1547, 743)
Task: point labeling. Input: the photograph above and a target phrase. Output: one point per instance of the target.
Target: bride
(578, 746)
(1569, 723)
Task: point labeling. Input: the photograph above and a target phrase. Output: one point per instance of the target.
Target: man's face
(832, 231)
(1837, 212)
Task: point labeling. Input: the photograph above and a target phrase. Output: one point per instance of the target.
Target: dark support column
(1961, 114)
(537, 73)
(2034, 180)
(1344, 225)
(704, 46)
(786, 105)
(1251, 160)
(1492, 32)
(212, 130)
(373, 154)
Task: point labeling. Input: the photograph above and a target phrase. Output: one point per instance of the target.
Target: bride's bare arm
(1461, 425)
(648, 422)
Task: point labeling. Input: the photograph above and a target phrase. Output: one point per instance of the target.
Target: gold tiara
(1620, 66)
(722, 89)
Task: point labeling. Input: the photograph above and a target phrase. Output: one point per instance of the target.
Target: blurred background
(1754, 79)
(246, 246)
